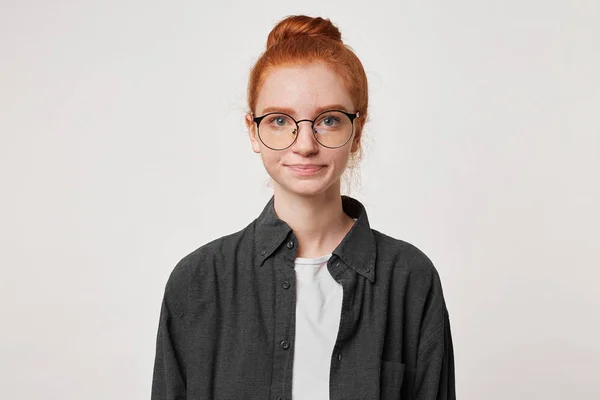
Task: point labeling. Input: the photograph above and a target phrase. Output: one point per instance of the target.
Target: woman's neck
(319, 222)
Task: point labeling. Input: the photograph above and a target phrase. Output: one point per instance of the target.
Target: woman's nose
(306, 141)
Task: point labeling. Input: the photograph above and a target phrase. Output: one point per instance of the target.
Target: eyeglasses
(332, 129)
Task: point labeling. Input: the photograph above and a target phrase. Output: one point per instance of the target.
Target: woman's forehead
(303, 89)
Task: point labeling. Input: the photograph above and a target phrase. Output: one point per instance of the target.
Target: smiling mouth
(306, 170)
(306, 166)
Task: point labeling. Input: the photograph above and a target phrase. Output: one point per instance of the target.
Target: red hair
(300, 39)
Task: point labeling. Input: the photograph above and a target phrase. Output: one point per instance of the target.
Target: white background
(123, 149)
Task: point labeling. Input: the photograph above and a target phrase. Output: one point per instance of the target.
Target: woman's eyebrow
(318, 110)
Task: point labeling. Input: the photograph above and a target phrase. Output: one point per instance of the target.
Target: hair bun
(302, 25)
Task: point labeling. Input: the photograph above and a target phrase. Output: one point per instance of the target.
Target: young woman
(307, 302)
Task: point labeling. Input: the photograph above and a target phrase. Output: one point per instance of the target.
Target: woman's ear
(251, 126)
(248, 121)
(356, 138)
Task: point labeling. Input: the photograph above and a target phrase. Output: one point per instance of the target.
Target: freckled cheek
(271, 162)
(340, 160)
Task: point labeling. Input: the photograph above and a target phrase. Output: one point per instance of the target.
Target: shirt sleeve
(434, 378)
(168, 382)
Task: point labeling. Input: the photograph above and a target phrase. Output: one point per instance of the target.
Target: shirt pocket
(392, 375)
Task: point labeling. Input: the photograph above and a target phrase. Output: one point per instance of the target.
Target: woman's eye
(329, 121)
(279, 121)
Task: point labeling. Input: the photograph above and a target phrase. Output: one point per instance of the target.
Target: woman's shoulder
(211, 251)
(409, 268)
(401, 254)
(200, 265)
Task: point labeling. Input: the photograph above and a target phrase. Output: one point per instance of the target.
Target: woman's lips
(306, 169)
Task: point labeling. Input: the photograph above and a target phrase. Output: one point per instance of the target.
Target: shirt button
(367, 270)
(263, 252)
(339, 356)
(285, 345)
(290, 244)
(286, 285)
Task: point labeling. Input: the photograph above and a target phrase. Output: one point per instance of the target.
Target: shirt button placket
(286, 285)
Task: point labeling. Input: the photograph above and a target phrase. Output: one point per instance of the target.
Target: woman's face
(302, 91)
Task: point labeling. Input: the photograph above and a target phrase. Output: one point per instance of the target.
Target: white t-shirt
(318, 311)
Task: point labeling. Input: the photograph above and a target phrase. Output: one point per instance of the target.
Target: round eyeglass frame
(351, 116)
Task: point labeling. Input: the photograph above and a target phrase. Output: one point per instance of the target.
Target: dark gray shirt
(227, 321)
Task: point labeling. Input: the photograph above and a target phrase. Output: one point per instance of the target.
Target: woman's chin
(306, 188)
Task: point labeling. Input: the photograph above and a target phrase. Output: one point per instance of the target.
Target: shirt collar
(357, 249)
